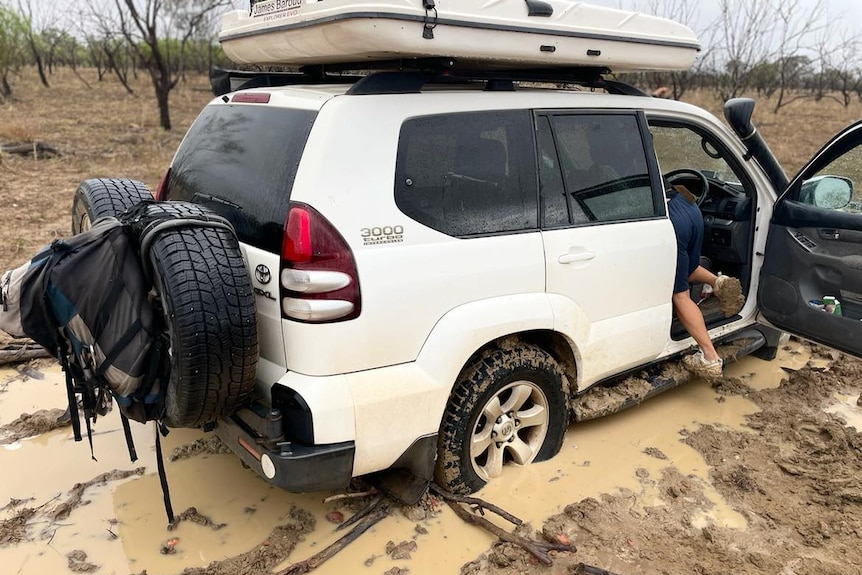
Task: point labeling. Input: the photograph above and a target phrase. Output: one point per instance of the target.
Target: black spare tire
(103, 197)
(208, 306)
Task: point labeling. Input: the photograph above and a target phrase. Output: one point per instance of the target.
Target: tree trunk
(164, 111)
(39, 65)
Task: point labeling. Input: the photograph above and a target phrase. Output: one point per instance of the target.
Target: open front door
(814, 248)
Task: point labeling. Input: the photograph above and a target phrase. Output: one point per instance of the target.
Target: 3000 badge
(382, 235)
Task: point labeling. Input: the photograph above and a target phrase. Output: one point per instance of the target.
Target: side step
(601, 400)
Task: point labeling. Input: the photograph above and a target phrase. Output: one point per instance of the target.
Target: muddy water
(845, 406)
(602, 456)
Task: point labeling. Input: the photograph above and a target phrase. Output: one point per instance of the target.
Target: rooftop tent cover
(505, 34)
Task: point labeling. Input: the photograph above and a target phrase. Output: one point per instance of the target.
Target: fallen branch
(539, 549)
(356, 495)
(584, 569)
(37, 149)
(478, 504)
(369, 507)
(318, 559)
(21, 353)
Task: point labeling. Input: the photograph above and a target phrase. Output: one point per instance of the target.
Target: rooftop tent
(509, 34)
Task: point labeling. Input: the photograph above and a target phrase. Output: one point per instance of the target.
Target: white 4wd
(442, 270)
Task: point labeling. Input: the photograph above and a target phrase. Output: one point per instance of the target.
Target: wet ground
(751, 477)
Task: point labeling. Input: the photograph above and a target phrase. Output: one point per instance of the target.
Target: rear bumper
(294, 467)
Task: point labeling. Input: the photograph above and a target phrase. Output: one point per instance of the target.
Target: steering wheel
(686, 176)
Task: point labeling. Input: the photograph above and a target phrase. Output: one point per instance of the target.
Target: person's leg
(692, 320)
(702, 275)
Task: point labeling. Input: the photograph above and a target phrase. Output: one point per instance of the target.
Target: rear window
(240, 161)
(470, 173)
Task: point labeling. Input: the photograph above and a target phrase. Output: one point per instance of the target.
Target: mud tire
(103, 197)
(209, 311)
(489, 376)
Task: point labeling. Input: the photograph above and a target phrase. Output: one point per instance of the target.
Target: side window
(593, 168)
(468, 173)
(838, 186)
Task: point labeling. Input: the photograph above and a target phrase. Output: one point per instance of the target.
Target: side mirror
(829, 192)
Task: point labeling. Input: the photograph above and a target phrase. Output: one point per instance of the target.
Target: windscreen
(240, 161)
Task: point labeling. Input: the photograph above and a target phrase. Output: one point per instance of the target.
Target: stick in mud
(318, 559)
(537, 549)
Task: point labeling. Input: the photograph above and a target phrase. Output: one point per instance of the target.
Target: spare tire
(102, 197)
(209, 312)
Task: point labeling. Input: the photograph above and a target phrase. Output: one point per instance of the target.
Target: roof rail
(411, 75)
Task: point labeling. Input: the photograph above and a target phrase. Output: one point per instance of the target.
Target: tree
(13, 38)
(158, 32)
(838, 63)
(34, 41)
(686, 12)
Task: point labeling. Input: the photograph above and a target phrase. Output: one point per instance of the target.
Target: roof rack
(411, 75)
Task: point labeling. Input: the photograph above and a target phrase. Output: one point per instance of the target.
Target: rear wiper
(217, 200)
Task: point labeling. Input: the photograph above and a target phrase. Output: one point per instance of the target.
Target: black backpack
(104, 333)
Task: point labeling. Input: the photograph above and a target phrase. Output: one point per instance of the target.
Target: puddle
(601, 456)
(846, 408)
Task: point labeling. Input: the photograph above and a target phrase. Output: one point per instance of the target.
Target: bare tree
(13, 34)
(797, 27)
(33, 39)
(744, 38)
(838, 61)
(158, 32)
(687, 12)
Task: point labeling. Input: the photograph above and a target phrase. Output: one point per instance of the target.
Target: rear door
(610, 250)
(814, 248)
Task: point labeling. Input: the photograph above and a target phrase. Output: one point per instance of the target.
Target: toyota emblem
(262, 274)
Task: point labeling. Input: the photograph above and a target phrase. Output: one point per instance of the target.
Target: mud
(601, 401)
(268, 554)
(204, 446)
(729, 294)
(32, 424)
(78, 562)
(76, 494)
(796, 477)
(754, 476)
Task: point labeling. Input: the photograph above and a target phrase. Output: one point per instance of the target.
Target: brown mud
(32, 424)
(795, 476)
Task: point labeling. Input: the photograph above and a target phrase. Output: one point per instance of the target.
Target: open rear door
(814, 248)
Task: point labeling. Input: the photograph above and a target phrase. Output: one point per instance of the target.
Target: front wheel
(509, 406)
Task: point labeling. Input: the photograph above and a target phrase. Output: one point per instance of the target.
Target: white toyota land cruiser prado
(445, 259)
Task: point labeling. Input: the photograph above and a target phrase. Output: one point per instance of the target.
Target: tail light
(319, 280)
(162, 188)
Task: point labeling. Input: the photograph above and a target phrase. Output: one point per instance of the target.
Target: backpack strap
(161, 429)
(70, 394)
(130, 442)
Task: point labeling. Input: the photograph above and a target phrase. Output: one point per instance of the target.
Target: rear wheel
(508, 407)
(209, 312)
(103, 197)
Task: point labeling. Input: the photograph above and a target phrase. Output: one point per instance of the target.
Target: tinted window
(468, 174)
(593, 168)
(240, 161)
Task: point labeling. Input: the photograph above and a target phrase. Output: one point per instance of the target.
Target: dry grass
(100, 131)
(798, 130)
(103, 132)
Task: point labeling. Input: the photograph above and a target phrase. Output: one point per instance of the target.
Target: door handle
(828, 233)
(571, 258)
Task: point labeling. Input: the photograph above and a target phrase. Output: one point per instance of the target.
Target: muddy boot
(728, 290)
(711, 371)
